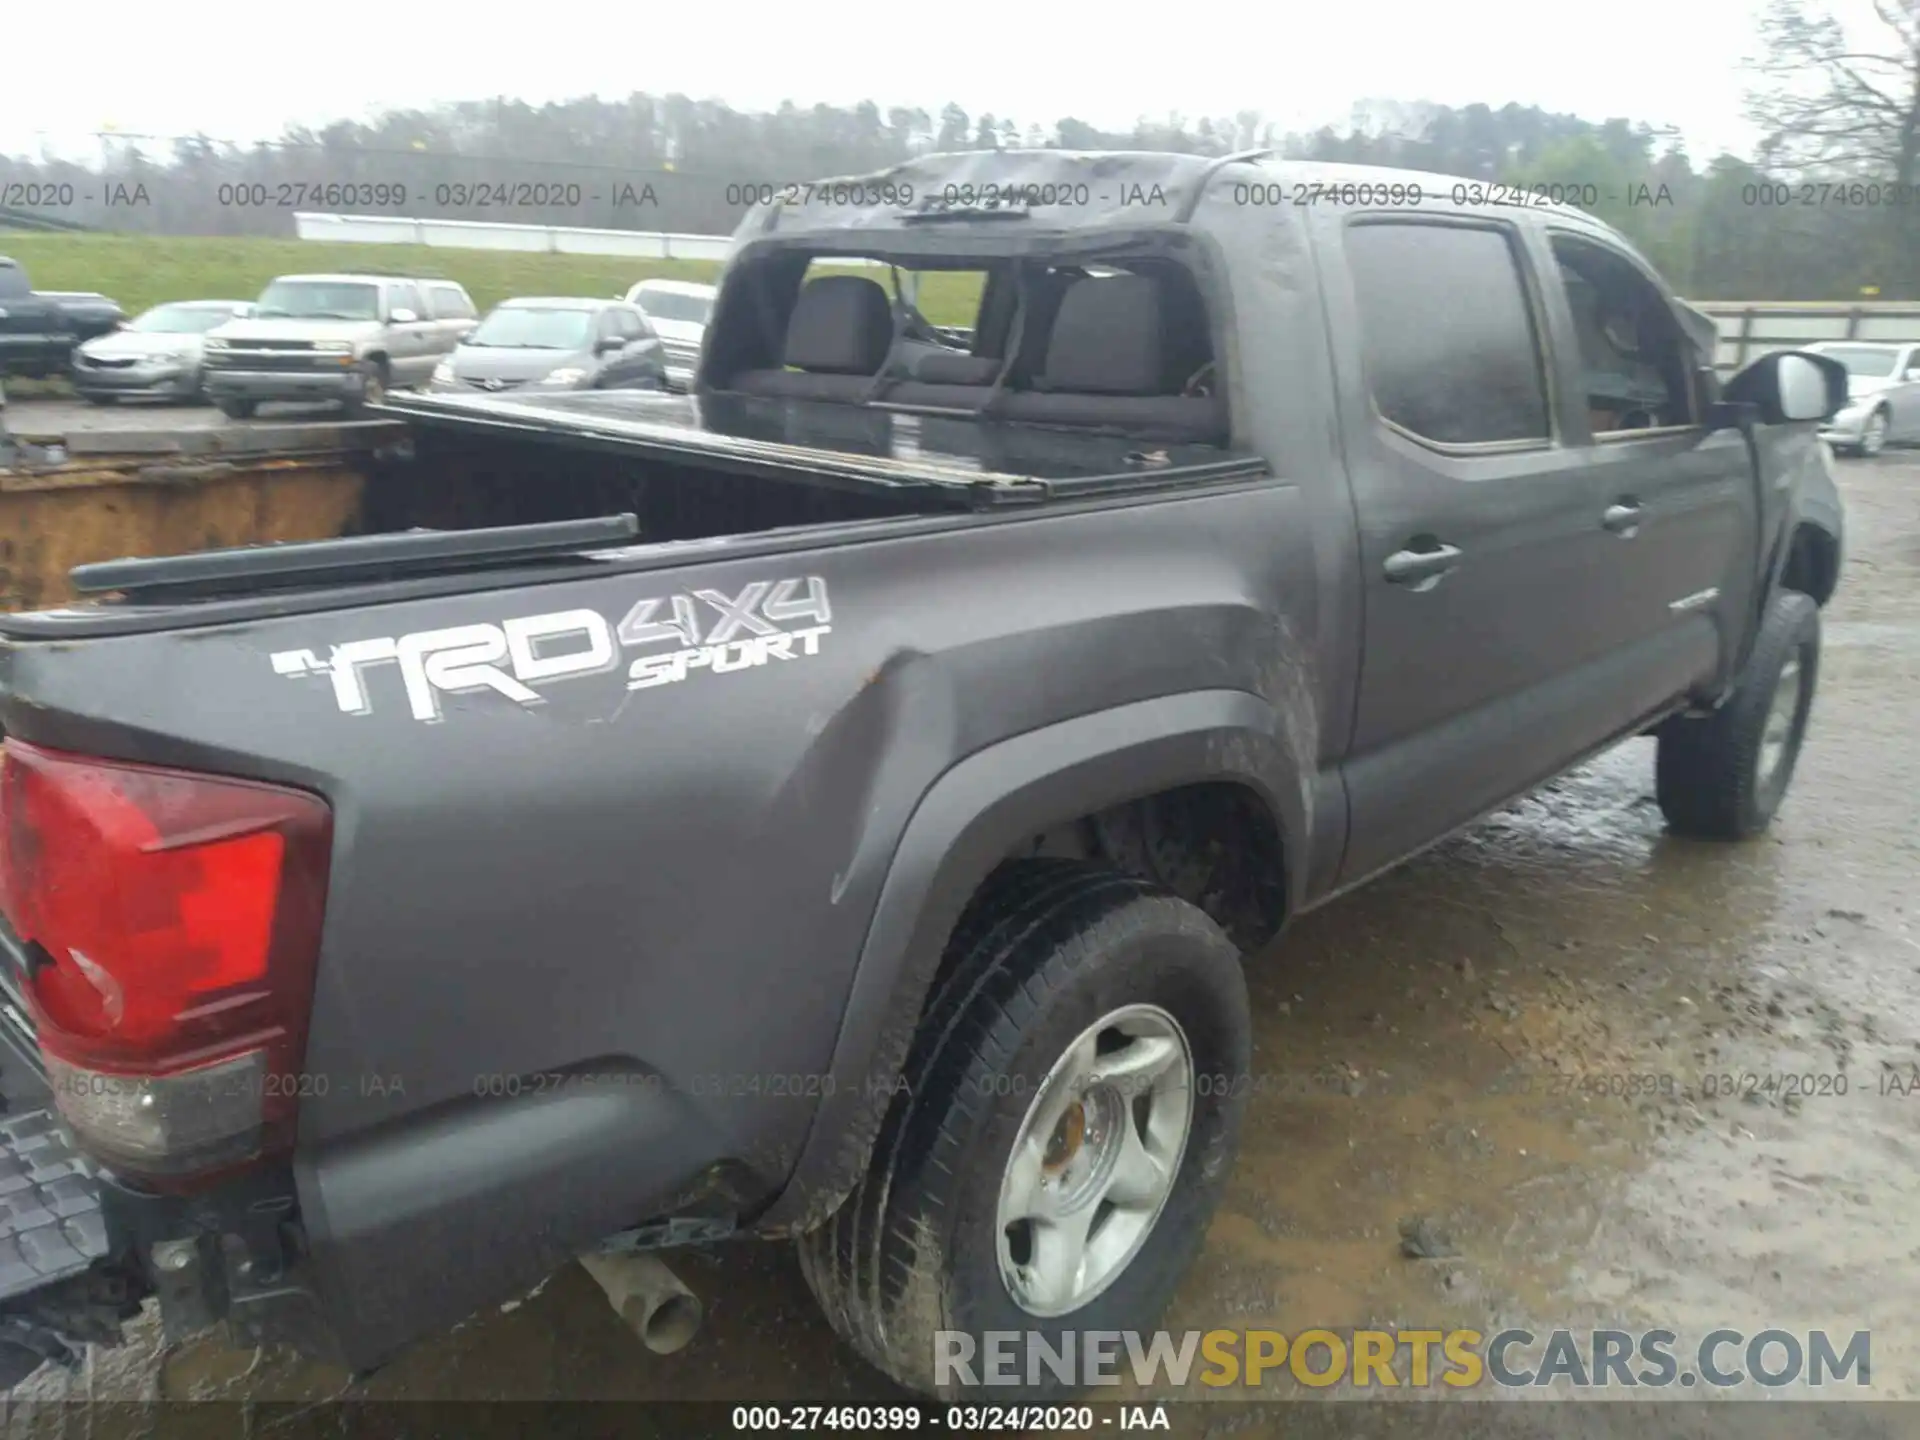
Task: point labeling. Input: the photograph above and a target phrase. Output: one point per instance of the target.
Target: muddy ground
(1513, 1037)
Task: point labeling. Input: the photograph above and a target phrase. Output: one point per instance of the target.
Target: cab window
(1632, 354)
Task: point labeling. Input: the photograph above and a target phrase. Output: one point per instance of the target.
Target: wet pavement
(1634, 1081)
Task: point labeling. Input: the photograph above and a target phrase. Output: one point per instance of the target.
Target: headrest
(841, 325)
(1109, 338)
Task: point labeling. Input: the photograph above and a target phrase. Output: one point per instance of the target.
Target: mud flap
(54, 1295)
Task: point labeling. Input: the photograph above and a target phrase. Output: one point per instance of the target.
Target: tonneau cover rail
(364, 557)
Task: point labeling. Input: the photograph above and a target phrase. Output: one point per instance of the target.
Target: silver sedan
(1883, 396)
(156, 354)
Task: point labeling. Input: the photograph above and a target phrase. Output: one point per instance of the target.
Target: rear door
(1480, 550)
(1677, 505)
(641, 360)
(453, 316)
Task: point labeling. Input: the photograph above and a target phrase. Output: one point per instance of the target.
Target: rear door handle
(1623, 517)
(1405, 567)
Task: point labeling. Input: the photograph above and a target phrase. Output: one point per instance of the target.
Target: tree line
(1828, 206)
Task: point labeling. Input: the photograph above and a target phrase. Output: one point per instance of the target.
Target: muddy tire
(1722, 776)
(1048, 1063)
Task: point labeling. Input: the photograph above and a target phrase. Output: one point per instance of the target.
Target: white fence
(1750, 329)
(490, 235)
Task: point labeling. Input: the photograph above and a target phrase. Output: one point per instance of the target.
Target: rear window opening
(1125, 345)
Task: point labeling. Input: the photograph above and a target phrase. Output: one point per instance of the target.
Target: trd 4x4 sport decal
(753, 628)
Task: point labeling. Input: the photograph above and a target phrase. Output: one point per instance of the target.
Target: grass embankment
(145, 270)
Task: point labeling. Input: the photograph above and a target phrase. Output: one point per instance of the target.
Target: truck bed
(735, 475)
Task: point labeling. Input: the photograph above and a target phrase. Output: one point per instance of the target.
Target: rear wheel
(1722, 776)
(94, 398)
(1062, 1135)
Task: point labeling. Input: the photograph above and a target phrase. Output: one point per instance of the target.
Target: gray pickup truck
(394, 919)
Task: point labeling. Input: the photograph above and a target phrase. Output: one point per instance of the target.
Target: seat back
(837, 339)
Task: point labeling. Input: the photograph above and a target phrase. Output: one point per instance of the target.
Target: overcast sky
(242, 71)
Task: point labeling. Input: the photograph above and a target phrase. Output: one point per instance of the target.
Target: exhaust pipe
(654, 1302)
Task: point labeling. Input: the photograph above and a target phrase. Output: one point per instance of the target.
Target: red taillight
(174, 919)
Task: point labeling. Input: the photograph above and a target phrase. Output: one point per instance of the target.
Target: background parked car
(157, 353)
(557, 343)
(343, 338)
(1883, 395)
(678, 311)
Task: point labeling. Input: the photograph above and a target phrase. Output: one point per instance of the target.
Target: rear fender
(969, 820)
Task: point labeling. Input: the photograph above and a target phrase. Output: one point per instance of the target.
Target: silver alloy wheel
(1095, 1160)
(1776, 738)
(1873, 436)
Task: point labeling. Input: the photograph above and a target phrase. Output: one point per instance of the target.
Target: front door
(411, 343)
(1677, 503)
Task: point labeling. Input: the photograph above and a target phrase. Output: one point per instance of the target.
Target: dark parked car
(557, 343)
(845, 816)
(157, 354)
(39, 328)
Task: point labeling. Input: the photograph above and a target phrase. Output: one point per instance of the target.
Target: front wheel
(1064, 1127)
(1873, 435)
(373, 388)
(1722, 776)
(235, 408)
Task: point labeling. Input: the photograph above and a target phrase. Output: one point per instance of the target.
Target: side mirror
(1913, 372)
(607, 344)
(1791, 385)
(403, 316)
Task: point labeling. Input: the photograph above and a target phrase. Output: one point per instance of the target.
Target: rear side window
(450, 303)
(1448, 335)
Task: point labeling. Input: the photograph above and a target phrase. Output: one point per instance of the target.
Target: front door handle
(1623, 517)
(1405, 567)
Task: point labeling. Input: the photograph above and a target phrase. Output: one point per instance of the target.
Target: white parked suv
(678, 311)
(345, 338)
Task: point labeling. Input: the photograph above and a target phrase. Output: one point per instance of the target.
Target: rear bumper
(354, 1250)
(51, 1226)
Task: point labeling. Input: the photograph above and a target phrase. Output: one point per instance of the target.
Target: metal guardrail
(33, 220)
(494, 235)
